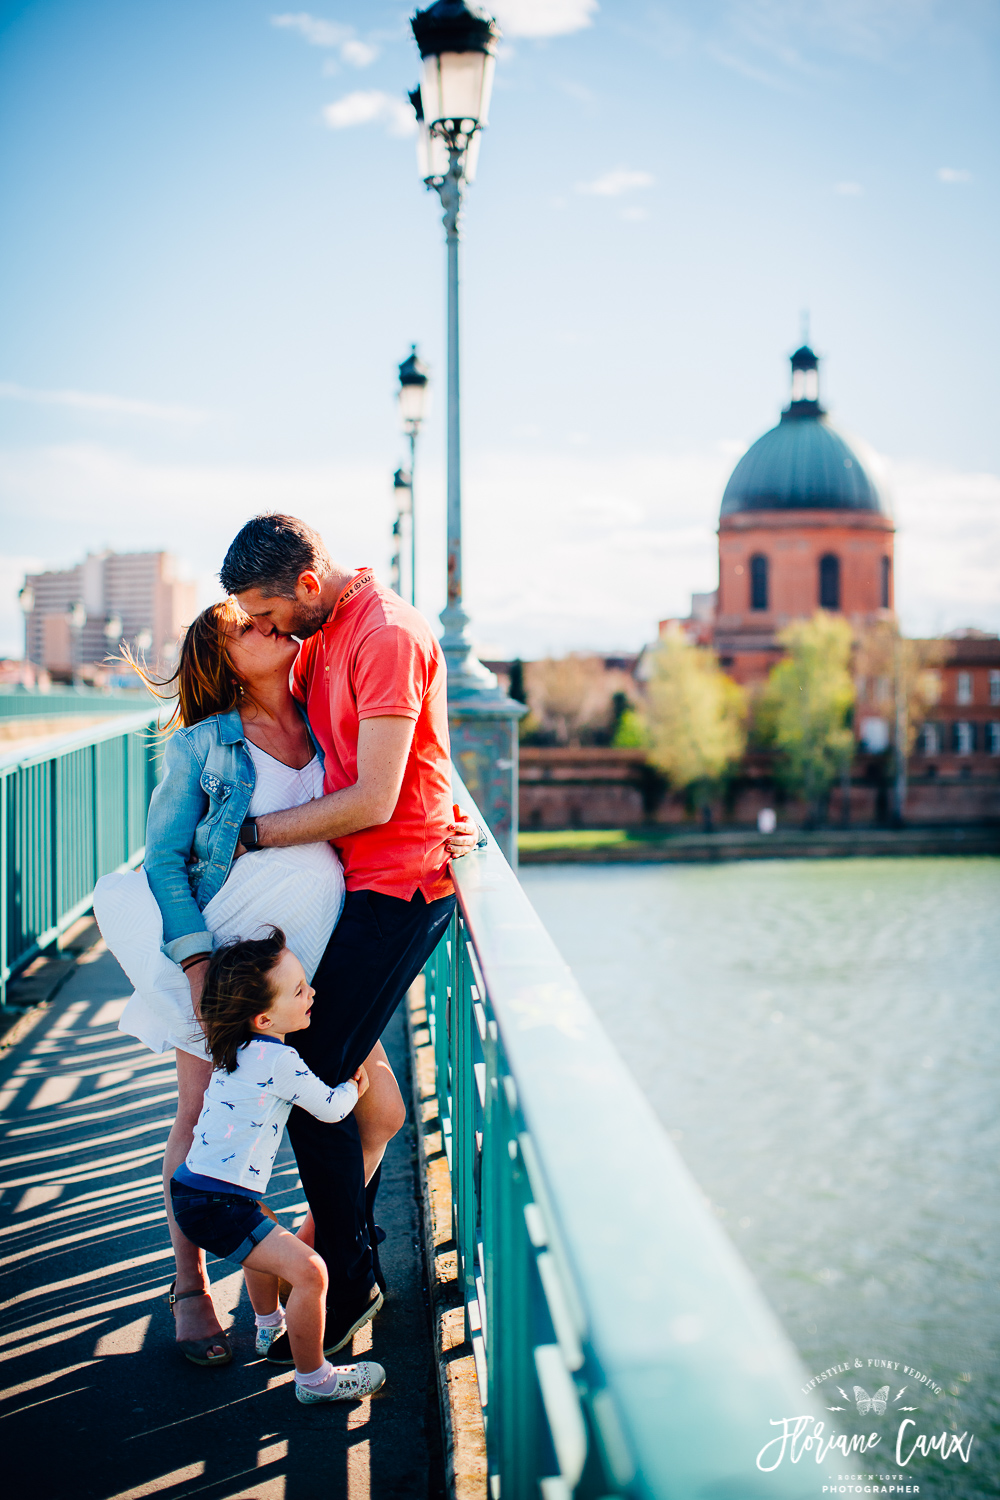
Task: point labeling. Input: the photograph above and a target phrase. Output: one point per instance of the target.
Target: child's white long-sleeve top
(243, 1117)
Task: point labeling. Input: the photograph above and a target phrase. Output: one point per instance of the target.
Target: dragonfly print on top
(240, 1147)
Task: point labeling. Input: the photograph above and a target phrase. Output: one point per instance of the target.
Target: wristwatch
(249, 837)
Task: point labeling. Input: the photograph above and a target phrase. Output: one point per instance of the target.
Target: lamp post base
(484, 748)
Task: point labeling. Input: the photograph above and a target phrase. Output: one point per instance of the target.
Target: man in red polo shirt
(371, 675)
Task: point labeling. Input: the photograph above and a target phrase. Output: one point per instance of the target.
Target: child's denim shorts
(228, 1225)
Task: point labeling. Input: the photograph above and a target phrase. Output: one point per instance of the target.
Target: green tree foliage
(804, 711)
(630, 731)
(695, 718)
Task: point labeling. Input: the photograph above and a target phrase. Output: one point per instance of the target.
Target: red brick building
(803, 526)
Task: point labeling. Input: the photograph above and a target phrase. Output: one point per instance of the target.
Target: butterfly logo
(229, 1158)
(228, 1105)
(255, 1171)
(274, 1127)
(301, 1072)
(204, 1139)
(264, 1083)
(866, 1403)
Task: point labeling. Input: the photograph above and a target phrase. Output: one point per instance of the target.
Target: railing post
(5, 864)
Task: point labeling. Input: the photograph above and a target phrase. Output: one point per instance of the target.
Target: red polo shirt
(377, 656)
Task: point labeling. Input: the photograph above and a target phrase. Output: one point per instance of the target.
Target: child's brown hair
(237, 988)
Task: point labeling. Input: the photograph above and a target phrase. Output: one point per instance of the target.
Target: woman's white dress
(300, 890)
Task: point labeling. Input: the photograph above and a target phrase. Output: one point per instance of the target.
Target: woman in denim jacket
(241, 747)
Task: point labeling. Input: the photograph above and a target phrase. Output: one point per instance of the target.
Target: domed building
(803, 526)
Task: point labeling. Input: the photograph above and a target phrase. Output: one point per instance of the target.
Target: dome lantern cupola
(803, 463)
(805, 386)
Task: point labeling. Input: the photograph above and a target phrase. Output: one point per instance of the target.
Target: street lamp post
(457, 45)
(413, 394)
(402, 493)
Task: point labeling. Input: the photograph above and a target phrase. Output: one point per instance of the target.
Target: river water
(821, 1040)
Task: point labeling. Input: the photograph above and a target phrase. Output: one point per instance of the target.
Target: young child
(255, 994)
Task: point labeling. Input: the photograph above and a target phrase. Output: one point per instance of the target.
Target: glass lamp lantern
(457, 44)
(432, 150)
(414, 393)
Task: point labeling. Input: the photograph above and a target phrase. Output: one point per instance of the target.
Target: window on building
(992, 746)
(963, 689)
(886, 581)
(963, 738)
(829, 581)
(758, 582)
(930, 740)
(994, 685)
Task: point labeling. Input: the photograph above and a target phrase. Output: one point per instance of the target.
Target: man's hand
(463, 834)
(195, 975)
(361, 1079)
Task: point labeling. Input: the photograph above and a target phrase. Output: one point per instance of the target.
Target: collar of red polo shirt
(362, 578)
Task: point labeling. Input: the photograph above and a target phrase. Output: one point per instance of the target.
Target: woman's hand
(361, 1079)
(463, 834)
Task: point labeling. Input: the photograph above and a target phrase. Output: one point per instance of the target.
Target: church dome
(803, 463)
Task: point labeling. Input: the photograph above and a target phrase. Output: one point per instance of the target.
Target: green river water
(821, 1040)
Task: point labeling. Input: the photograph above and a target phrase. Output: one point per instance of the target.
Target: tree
(695, 718)
(899, 676)
(568, 693)
(804, 710)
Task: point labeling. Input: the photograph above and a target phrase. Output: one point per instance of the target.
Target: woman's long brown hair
(206, 680)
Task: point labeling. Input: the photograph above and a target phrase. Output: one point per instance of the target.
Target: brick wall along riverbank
(604, 788)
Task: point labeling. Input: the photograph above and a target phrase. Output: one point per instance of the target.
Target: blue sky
(217, 249)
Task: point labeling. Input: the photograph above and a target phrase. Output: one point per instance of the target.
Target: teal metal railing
(621, 1345)
(71, 810)
(25, 703)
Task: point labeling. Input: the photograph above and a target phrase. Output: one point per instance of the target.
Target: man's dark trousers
(377, 950)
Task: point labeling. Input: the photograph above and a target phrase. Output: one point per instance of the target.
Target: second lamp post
(413, 393)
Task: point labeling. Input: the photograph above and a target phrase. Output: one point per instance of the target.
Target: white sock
(324, 1379)
(270, 1320)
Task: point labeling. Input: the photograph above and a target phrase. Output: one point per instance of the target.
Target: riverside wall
(596, 787)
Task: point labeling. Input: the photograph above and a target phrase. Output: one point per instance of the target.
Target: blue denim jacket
(194, 825)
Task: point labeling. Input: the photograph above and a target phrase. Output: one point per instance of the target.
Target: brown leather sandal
(196, 1350)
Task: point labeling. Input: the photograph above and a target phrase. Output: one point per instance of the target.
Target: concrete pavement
(96, 1405)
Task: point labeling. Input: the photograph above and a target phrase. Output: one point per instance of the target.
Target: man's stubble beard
(307, 621)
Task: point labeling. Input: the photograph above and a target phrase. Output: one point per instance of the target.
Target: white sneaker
(267, 1336)
(353, 1383)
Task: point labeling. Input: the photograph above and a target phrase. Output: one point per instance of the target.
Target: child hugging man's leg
(255, 994)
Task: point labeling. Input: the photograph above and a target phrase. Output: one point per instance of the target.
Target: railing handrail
(63, 744)
(72, 808)
(694, 1360)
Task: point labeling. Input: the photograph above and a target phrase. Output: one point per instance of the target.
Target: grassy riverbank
(655, 845)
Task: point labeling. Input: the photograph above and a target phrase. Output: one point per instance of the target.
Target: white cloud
(320, 33)
(317, 33)
(954, 174)
(358, 54)
(947, 547)
(118, 406)
(849, 189)
(614, 183)
(635, 215)
(544, 17)
(617, 542)
(368, 106)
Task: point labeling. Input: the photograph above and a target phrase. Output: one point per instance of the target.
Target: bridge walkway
(95, 1403)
